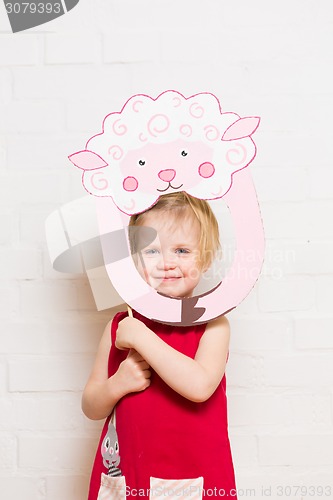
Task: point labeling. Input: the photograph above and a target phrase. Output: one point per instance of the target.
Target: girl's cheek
(146, 274)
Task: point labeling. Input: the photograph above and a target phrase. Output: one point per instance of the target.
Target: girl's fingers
(144, 365)
(138, 358)
(135, 355)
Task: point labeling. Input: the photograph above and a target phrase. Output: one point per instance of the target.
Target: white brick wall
(22, 50)
(57, 82)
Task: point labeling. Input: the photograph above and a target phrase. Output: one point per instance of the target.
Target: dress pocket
(176, 488)
(112, 488)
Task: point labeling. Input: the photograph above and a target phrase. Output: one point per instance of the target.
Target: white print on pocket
(112, 488)
(176, 488)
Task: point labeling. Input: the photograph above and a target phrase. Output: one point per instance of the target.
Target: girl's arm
(195, 379)
(102, 393)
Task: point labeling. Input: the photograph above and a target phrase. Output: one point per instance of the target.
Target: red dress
(164, 435)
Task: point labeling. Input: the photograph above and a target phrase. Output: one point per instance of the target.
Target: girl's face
(171, 263)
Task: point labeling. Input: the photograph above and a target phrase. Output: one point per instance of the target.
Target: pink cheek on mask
(206, 170)
(130, 184)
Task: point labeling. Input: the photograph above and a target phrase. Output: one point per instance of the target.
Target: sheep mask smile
(158, 146)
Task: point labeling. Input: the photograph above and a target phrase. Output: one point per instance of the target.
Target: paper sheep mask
(158, 146)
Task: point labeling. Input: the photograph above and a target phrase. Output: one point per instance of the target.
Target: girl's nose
(169, 265)
(167, 175)
(167, 262)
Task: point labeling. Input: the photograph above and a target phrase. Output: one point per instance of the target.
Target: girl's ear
(205, 268)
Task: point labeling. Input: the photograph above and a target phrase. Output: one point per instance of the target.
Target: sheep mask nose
(167, 175)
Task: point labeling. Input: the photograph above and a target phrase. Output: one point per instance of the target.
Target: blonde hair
(182, 205)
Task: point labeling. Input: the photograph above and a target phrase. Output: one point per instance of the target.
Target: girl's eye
(182, 250)
(150, 251)
(184, 153)
(142, 163)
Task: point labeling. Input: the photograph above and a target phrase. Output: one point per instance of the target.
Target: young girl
(167, 381)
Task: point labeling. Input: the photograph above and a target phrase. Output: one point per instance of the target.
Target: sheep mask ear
(159, 146)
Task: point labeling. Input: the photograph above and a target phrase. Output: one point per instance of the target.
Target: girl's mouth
(167, 279)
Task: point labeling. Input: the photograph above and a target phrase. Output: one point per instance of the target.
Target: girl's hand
(128, 329)
(133, 374)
